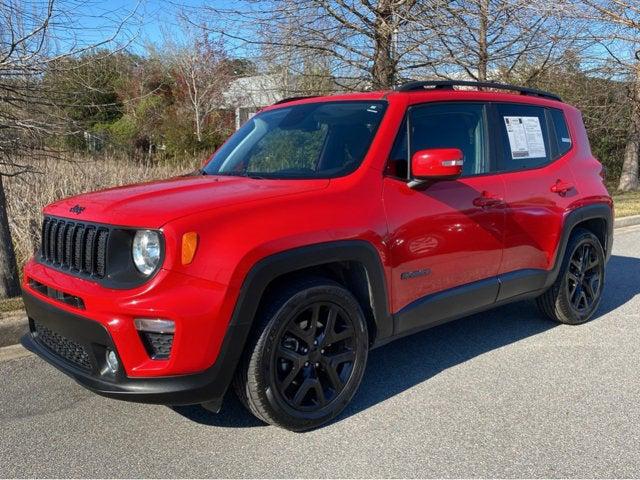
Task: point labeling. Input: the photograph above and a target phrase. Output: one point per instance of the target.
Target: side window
(452, 125)
(562, 131)
(524, 135)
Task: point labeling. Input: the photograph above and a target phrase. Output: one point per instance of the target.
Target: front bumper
(88, 340)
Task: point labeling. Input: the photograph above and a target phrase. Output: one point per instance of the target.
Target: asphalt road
(504, 393)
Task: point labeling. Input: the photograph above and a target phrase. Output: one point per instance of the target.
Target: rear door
(539, 186)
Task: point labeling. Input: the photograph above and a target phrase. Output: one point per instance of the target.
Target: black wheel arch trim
(274, 266)
(601, 211)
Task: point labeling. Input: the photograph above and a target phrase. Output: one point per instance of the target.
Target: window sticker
(525, 137)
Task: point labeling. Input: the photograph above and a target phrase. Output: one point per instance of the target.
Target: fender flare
(289, 261)
(601, 211)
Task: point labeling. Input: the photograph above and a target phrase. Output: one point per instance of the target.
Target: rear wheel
(307, 356)
(576, 293)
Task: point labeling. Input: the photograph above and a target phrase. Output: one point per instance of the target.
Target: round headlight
(146, 251)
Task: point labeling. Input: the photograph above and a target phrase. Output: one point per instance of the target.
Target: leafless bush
(56, 179)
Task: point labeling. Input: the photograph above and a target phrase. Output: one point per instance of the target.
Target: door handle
(488, 200)
(561, 187)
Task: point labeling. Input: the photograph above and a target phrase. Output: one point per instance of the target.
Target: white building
(247, 95)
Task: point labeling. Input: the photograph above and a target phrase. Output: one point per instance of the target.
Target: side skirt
(443, 307)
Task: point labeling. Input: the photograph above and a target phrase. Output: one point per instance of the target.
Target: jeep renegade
(322, 228)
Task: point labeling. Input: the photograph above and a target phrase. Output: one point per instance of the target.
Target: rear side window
(561, 130)
(525, 138)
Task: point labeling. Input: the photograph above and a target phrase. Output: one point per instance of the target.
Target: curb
(626, 221)
(14, 324)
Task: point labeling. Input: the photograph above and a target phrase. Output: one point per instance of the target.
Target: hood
(153, 204)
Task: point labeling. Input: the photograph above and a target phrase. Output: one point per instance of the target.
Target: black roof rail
(293, 99)
(449, 84)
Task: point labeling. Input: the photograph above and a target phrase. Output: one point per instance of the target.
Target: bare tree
(490, 39)
(34, 36)
(200, 66)
(368, 44)
(619, 36)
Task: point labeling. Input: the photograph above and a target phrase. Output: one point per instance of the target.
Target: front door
(445, 237)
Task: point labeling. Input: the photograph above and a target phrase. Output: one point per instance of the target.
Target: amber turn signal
(189, 246)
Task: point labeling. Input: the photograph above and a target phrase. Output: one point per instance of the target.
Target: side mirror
(436, 164)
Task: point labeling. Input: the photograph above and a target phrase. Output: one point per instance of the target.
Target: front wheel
(307, 357)
(576, 293)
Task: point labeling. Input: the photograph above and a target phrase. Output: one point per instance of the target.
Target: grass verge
(11, 304)
(627, 203)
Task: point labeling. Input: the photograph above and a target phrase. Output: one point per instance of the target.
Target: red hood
(153, 204)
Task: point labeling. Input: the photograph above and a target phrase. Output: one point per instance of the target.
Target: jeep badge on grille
(77, 209)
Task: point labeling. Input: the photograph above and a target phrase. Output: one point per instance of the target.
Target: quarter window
(398, 165)
(562, 131)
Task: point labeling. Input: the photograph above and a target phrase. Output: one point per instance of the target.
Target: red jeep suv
(324, 227)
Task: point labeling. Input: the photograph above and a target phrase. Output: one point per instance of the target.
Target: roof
(438, 91)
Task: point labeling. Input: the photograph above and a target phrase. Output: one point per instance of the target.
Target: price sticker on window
(525, 137)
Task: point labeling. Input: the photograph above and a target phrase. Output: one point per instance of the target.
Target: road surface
(503, 393)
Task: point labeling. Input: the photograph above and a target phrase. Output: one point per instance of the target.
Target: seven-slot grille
(75, 246)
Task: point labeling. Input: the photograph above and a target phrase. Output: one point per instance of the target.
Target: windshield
(313, 140)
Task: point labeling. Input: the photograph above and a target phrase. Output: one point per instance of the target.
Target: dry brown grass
(627, 203)
(28, 193)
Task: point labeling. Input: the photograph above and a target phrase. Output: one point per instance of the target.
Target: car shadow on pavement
(232, 415)
(409, 361)
(622, 283)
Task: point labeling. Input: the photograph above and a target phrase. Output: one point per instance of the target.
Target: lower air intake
(62, 346)
(158, 345)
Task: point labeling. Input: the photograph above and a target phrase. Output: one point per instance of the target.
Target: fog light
(112, 361)
(156, 325)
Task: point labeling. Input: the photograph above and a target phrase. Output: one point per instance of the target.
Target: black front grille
(158, 345)
(56, 294)
(62, 346)
(76, 246)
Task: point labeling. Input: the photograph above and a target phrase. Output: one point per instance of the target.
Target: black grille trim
(78, 247)
(55, 294)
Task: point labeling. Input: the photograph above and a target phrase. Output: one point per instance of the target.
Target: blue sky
(94, 20)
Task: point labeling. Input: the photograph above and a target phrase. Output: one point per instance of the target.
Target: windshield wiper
(254, 176)
(196, 173)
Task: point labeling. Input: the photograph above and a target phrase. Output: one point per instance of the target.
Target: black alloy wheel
(307, 355)
(576, 293)
(584, 277)
(315, 356)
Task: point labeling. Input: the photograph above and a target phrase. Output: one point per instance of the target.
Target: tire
(575, 295)
(285, 379)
